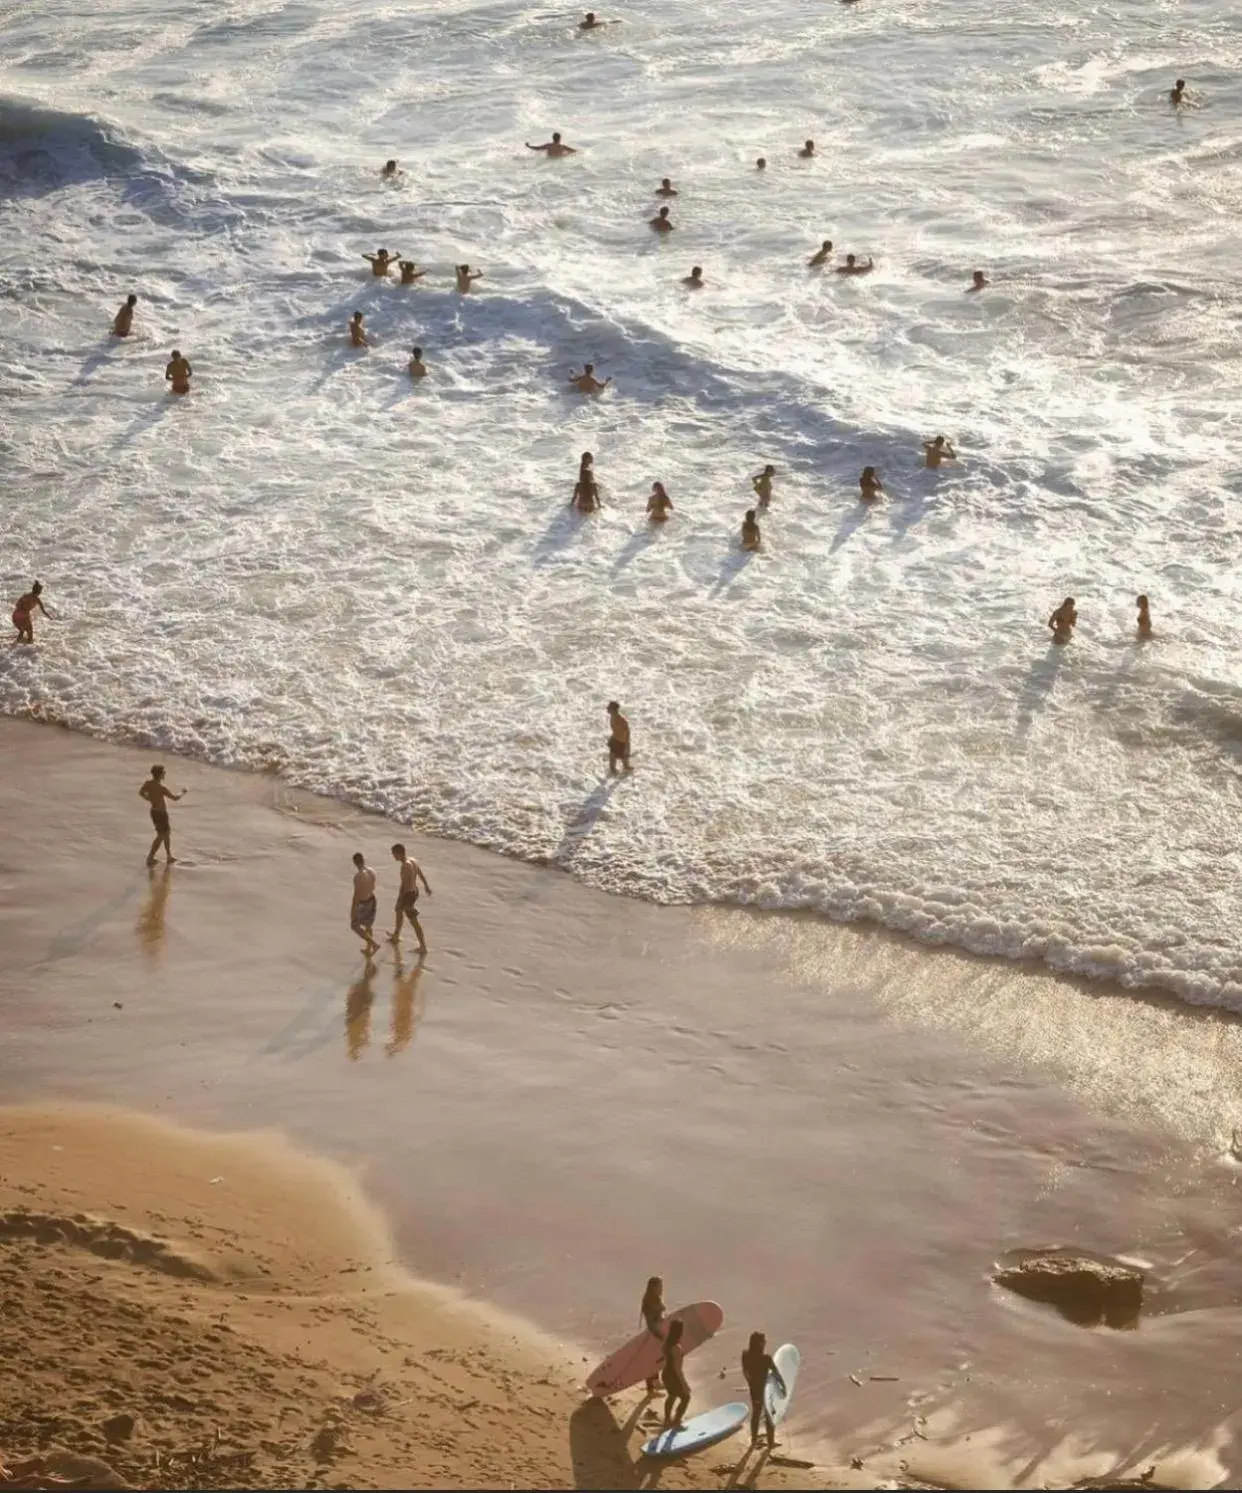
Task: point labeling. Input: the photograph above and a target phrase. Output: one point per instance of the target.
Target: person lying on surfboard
(652, 1312)
(757, 1366)
(676, 1390)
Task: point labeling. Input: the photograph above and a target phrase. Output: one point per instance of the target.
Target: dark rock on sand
(1086, 1289)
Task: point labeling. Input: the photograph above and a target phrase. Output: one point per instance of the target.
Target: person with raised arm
(852, 266)
(410, 272)
(157, 793)
(554, 147)
(586, 382)
(937, 451)
(466, 277)
(381, 262)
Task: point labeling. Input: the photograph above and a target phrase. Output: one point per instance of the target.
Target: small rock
(1086, 1290)
(118, 1427)
(118, 1005)
(856, 1463)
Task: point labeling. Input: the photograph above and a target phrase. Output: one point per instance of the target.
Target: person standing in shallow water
(178, 372)
(157, 795)
(586, 490)
(362, 907)
(618, 738)
(652, 1313)
(1063, 621)
(752, 539)
(123, 322)
(762, 484)
(869, 485)
(659, 504)
(1144, 619)
(407, 897)
(466, 277)
(23, 613)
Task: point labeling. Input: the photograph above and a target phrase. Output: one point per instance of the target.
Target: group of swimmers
(1065, 619)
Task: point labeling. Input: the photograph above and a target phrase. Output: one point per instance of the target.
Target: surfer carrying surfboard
(676, 1390)
(652, 1311)
(758, 1367)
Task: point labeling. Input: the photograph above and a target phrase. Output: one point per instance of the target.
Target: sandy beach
(833, 1133)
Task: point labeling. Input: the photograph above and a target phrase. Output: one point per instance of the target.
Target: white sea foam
(378, 589)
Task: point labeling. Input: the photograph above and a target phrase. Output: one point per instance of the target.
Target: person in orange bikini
(178, 372)
(23, 613)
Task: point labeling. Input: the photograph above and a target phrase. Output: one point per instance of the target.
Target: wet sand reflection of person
(358, 1001)
(150, 926)
(406, 1007)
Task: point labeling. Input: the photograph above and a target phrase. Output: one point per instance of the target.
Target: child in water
(751, 537)
(1144, 619)
(763, 485)
(1063, 621)
(869, 485)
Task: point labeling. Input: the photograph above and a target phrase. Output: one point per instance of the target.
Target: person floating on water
(761, 164)
(23, 613)
(694, 280)
(381, 262)
(157, 795)
(870, 486)
(852, 266)
(652, 1313)
(659, 504)
(676, 1390)
(554, 147)
(1177, 94)
(407, 897)
(466, 277)
(666, 188)
(1144, 619)
(418, 369)
(660, 223)
(763, 485)
(1063, 621)
(391, 171)
(410, 272)
(821, 256)
(618, 738)
(586, 382)
(586, 490)
(934, 452)
(591, 22)
(751, 537)
(178, 372)
(757, 1368)
(362, 908)
(808, 150)
(357, 332)
(978, 281)
(123, 321)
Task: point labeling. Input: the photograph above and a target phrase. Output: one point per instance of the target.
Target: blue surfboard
(698, 1432)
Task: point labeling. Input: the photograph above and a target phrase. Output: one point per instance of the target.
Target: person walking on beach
(618, 738)
(124, 318)
(586, 490)
(763, 485)
(652, 1313)
(178, 372)
(934, 452)
(466, 277)
(554, 147)
(362, 908)
(381, 262)
(659, 504)
(586, 382)
(870, 486)
(676, 1390)
(757, 1367)
(1144, 619)
(1063, 621)
(157, 795)
(23, 613)
(407, 896)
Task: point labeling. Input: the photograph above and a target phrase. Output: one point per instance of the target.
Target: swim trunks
(159, 818)
(409, 904)
(364, 913)
(618, 748)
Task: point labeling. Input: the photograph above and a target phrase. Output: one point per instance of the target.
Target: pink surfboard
(640, 1358)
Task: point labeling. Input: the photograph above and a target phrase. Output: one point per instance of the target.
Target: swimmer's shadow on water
(634, 546)
(146, 422)
(562, 527)
(854, 519)
(586, 817)
(1039, 684)
(734, 563)
(95, 361)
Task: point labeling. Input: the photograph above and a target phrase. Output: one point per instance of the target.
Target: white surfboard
(699, 1432)
(787, 1360)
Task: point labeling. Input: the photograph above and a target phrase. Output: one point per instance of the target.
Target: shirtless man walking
(157, 795)
(407, 897)
(362, 908)
(618, 739)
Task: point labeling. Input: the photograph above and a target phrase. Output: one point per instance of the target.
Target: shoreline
(831, 1133)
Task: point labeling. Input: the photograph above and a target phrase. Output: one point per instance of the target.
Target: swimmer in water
(553, 147)
(763, 485)
(1144, 619)
(808, 150)
(659, 504)
(869, 485)
(357, 333)
(1177, 94)
(466, 277)
(660, 223)
(586, 382)
(418, 369)
(852, 266)
(591, 22)
(978, 281)
(124, 319)
(1063, 621)
(934, 452)
(410, 272)
(821, 256)
(761, 164)
(391, 172)
(178, 372)
(586, 490)
(666, 188)
(751, 537)
(694, 280)
(618, 738)
(381, 262)
(23, 613)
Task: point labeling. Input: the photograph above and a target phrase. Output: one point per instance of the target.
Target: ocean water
(312, 566)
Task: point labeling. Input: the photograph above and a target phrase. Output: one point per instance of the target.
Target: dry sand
(830, 1131)
(202, 1311)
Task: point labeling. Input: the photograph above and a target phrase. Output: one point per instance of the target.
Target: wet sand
(832, 1132)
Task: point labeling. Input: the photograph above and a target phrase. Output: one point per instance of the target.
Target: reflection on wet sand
(407, 1009)
(358, 1001)
(150, 926)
